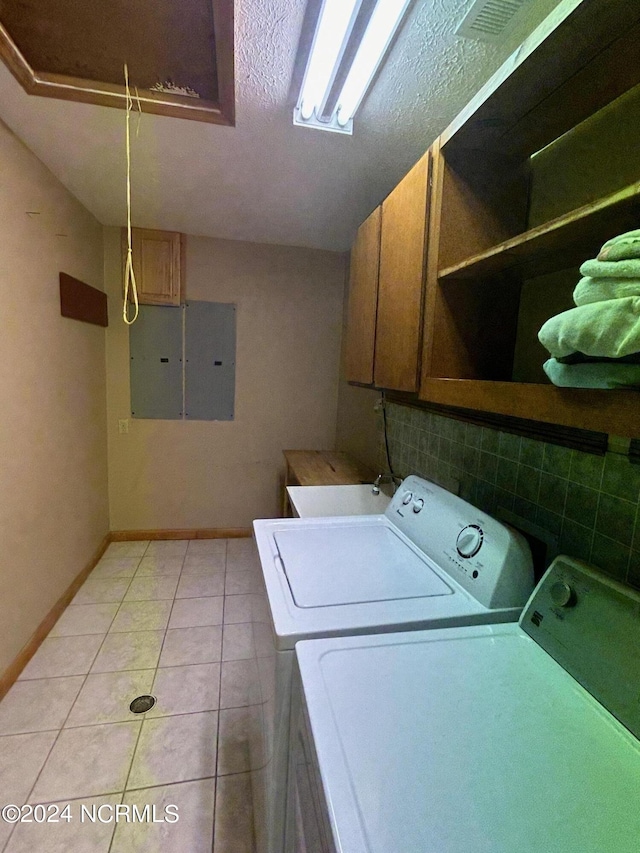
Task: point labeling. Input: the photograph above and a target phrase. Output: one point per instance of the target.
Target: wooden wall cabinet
(403, 241)
(484, 244)
(384, 320)
(158, 264)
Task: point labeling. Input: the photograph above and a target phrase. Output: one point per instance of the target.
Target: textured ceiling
(265, 180)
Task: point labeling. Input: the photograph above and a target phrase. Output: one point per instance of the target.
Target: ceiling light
(326, 61)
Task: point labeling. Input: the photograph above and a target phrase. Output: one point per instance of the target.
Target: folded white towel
(622, 247)
(590, 290)
(589, 375)
(611, 269)
(609, 329)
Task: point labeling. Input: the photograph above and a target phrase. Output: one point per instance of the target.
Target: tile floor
(167, 618)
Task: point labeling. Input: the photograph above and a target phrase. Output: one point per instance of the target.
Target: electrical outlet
(123, 425)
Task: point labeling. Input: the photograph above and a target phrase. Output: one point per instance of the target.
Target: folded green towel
(590, 290)
(593, 375)
(611, 269)
(621, 248)
(610, 329)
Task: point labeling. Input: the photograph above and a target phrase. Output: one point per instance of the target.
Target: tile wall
(590, 503)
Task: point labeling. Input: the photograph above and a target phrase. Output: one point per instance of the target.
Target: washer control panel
(590, 624)
(489, 559)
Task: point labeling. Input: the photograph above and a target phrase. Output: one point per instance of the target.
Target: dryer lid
(330, 566)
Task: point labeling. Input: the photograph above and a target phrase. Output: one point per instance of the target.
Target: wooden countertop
(325, 468)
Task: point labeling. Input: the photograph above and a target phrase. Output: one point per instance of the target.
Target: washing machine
(432, 560)
(476, 739)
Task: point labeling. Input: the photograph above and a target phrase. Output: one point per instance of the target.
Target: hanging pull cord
(129, 275)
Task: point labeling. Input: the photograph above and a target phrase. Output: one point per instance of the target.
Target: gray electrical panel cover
(155, 343)
(210, 366)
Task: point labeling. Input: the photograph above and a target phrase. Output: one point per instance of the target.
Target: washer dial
(469, 540)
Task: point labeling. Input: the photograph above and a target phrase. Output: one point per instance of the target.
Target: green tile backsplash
(590, 503)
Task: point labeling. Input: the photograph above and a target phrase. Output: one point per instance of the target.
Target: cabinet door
(400, 284)
(157, 264)
(363, 300)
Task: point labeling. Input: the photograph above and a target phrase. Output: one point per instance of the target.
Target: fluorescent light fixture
(383, 24)
(335, 25)
(332, 32)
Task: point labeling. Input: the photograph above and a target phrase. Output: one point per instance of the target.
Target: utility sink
(320, 501)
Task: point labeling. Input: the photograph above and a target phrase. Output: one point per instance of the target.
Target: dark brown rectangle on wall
(80, 301)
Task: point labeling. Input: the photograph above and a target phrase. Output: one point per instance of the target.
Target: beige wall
(184, 474)
(358, 430)
(53, 466)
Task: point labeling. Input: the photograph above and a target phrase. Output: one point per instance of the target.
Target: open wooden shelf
(614, 412)
(563, 242)
(580, 59)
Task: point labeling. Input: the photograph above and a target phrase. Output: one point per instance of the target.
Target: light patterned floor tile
(159, 566)
(78, 835)
(97, 591)
(237, 608)
(192, 833)
(184, 646)
(200, 585)
(142, 616)
(167, 547)
(201, 563)
(105, 697)
(234, 815)
(21, 759)
(133, 650)
(87, 761)
(38, 706)
(84, 619)
(192, 612)
(186, 689)
(63, 656)
(152, 588)
(242, 555)
(243, 583)
(237, 641)
(217, 547)
(175, 749)
(239, 683)
(233, 741)
(127, 549)
(114, 568)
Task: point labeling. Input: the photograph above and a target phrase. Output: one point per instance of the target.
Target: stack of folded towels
(597, 344)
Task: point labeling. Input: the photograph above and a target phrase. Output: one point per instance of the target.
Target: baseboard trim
(200, 533)
(12, 672)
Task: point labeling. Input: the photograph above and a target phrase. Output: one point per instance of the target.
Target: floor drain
(142, 704)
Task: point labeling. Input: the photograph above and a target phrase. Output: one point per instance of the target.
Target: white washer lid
(467, 740)
(353, 565)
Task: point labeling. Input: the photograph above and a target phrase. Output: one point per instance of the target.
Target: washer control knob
(469, 540)
(417, 505)
(407, 498)
(562, 595)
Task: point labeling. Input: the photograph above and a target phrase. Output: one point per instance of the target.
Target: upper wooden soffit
(180, 54)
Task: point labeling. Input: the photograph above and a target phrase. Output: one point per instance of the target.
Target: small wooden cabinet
(384, 320)
(158, 264)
